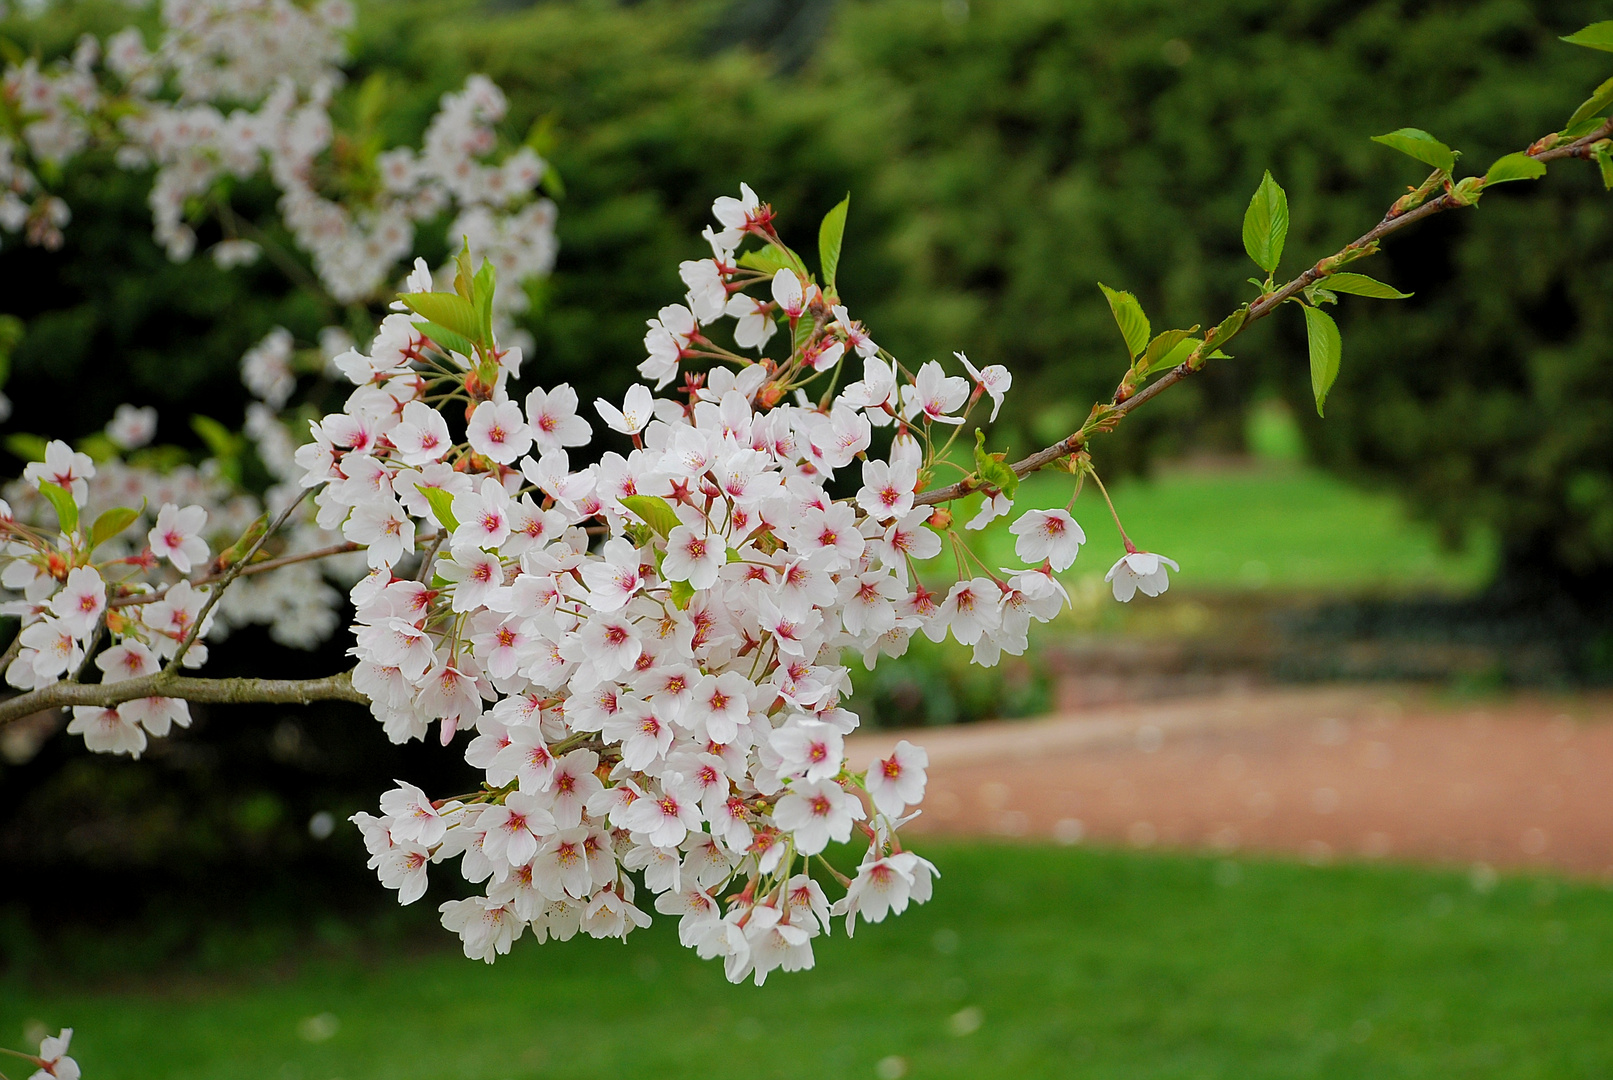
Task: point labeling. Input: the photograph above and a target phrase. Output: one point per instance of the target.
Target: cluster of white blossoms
(235, 88)
(646, 651)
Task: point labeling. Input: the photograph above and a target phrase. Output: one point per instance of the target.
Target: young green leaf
(450, 311)
(992, 469)
(1361, 285)
(1161, 347)
(442, 506)
(682, 593)
(830, 234)
(1265, 225)
(1129, 317)
(61, 500)
(1419, 144)
(1228, 327)
(1326, 349)
(1518, 166)
(485, 282)
(1603, 153)
(1593, 107)
(655, 511)
(1595, 36)
(1169, 359)
(110, 523)
(446, 338)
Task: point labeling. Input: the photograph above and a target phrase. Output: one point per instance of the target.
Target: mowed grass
(1261, 526)
(1030, 962)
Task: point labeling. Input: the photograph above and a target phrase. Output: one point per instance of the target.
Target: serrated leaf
(1581, 129)
(27, 447)
(446, 338)
(1162, 345)
(1603, 153)
(830, 234)
(1178, 353)
(1592, 108)
(682, 593)
(992, 469)
(1361, 285)
(654, 511)
(1265, 224)
(1129, 317)
(61, 500)
(110, 523)
(1417, 143)
(450, 311)
(1595, 36)
(442, 506)
(1518, 166)
(1228, 327)
(1326, 348)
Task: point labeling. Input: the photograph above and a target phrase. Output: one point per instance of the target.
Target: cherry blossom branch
(232, 691)
(1104, 417)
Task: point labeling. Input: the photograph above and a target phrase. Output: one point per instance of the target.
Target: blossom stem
(1131, 549)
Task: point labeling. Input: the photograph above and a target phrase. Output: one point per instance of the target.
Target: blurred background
(1437, 555)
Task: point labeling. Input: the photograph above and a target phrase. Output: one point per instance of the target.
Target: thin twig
(1105, 417)
(228, 579)
(256, 568)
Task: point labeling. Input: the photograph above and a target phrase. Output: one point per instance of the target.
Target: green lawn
(1030, 962)
(1270, 525)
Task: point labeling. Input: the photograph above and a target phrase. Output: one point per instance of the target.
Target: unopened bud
(940, 519)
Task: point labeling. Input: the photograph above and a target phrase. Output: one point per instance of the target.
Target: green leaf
(682, 593)
(1603, 153)
(1419, 144)
(485, 282)
(1162, 346)
(992, 469)
(771, 259)
(450, 311)
(1129, 317)
(830, 234)
(27, 447)
(1178, 353)
(237, 551)
(1327, 348)
(464, 276)
(442, 506)
(1593, 107)
(1595, 36)
(446, 338)
(655, 512)
(1265, 225)
(804, 328)
(62, 500)
(1361, 285)
(1518, 166)
(111, 523)
(1228, 328)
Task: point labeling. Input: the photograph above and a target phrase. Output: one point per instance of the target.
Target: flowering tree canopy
(634, 617)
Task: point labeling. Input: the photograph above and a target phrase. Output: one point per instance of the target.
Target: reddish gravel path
(1324, 773)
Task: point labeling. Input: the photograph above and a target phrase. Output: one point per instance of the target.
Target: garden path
(1331, 772)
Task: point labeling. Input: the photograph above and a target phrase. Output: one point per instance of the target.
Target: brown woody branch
(1104, 417)
(210, 691)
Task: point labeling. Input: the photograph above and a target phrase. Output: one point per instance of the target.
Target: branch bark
(1117, 408)
(211, 691)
